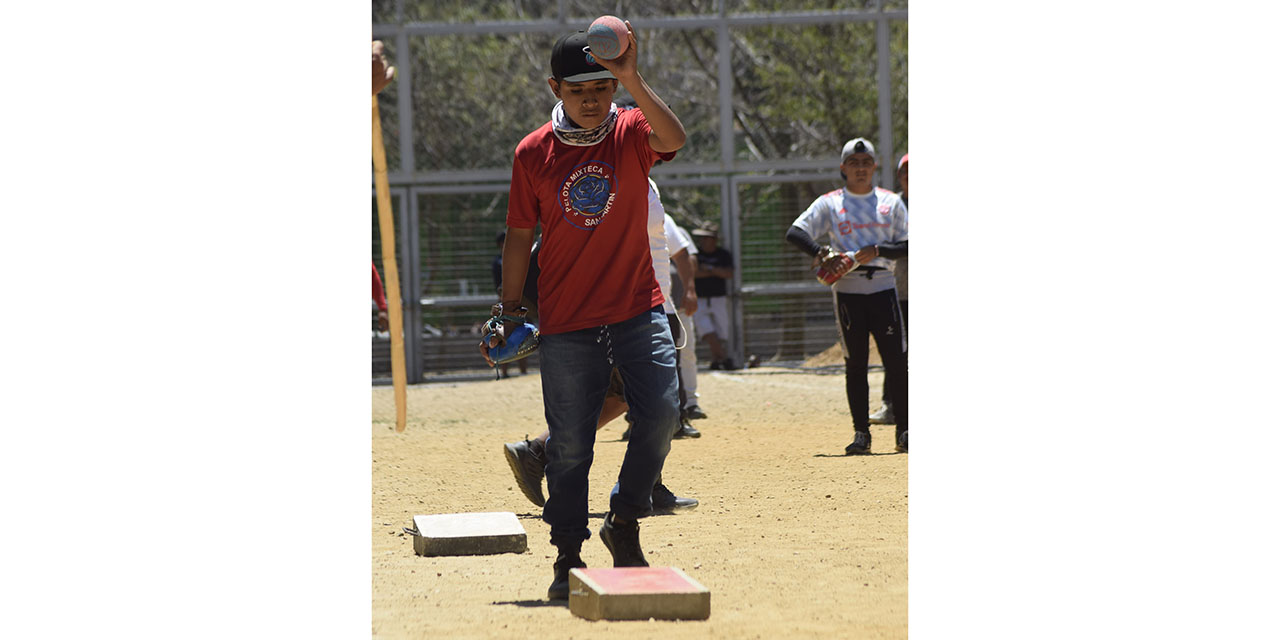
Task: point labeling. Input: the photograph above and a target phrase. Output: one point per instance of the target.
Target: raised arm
(667, 132)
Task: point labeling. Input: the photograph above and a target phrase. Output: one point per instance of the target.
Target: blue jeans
(575, 375)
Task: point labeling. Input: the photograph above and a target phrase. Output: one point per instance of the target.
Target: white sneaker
(884, 415)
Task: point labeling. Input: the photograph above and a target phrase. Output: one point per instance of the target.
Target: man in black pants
(885, 414)
(869, 225)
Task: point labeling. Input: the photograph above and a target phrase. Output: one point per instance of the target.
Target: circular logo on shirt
(587, 194)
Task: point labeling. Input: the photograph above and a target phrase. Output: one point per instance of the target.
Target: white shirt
(664, 240)
(675, 273)
(854, 221)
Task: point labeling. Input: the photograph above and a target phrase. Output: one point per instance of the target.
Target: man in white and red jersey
(583, 177)
(868, 224)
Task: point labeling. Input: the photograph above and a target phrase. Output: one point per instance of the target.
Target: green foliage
(478, 10)
(457, 232)
(800, 91)
(691, 207)
(764, 6)
(898, 76)
(475, 97)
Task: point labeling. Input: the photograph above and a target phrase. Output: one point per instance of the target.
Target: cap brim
(591, 75)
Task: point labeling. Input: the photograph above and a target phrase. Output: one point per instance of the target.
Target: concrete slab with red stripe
(637, 593)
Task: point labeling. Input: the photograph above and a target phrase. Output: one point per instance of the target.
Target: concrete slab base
(468, 534)
(637, 593)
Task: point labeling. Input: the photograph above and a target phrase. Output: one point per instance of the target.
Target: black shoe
(715, 364)
(686, 430)
(567, 560)
(902, 443)
(623, 541)
(728, 365)
(666, 502)
(528, 466)
(695, 413)
(861, 443)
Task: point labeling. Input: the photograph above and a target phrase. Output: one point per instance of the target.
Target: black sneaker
(567, 560)
(528, 466)
(902, 443)
(664, 501)
(623, 541)
(696, 413)
(715, 365)
(861, 443)
(686, 430)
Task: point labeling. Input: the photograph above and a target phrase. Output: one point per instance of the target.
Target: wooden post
(387, 229)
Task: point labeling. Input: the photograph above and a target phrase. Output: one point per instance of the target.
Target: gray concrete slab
(468, 534)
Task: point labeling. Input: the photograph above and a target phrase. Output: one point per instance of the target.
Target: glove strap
(500, 315)
(515, 310)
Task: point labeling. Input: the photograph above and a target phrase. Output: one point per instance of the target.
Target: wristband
(500, 309)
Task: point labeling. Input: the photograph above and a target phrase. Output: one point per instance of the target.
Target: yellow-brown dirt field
(793, 538)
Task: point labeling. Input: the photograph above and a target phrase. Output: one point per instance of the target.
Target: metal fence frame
(728, 173)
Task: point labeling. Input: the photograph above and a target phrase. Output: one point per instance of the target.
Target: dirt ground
(793, 538)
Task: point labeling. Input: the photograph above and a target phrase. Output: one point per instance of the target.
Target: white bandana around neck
(577, 136)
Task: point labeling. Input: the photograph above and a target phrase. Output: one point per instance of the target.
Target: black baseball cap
(571, 61)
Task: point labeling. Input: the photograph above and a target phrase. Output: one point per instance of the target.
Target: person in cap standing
(868, 224)
(885, 414)
(584, 177)
(715, 268)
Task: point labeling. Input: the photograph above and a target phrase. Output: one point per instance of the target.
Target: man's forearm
(684, 268)
(515, 264)
(893, 250)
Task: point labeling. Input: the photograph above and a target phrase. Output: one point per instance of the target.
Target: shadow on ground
(535, 603)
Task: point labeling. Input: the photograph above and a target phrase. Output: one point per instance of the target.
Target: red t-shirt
(593, 203)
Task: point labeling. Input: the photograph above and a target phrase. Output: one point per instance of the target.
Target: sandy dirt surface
(793, 538)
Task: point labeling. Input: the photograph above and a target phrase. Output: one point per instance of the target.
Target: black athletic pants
(879, 315)
(886, 399)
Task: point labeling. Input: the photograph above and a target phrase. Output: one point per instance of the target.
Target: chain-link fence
(768, 92)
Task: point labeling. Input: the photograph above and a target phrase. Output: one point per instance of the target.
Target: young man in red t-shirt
(584, 177)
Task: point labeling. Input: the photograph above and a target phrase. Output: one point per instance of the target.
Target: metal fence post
(412, 291)
(884, 100)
